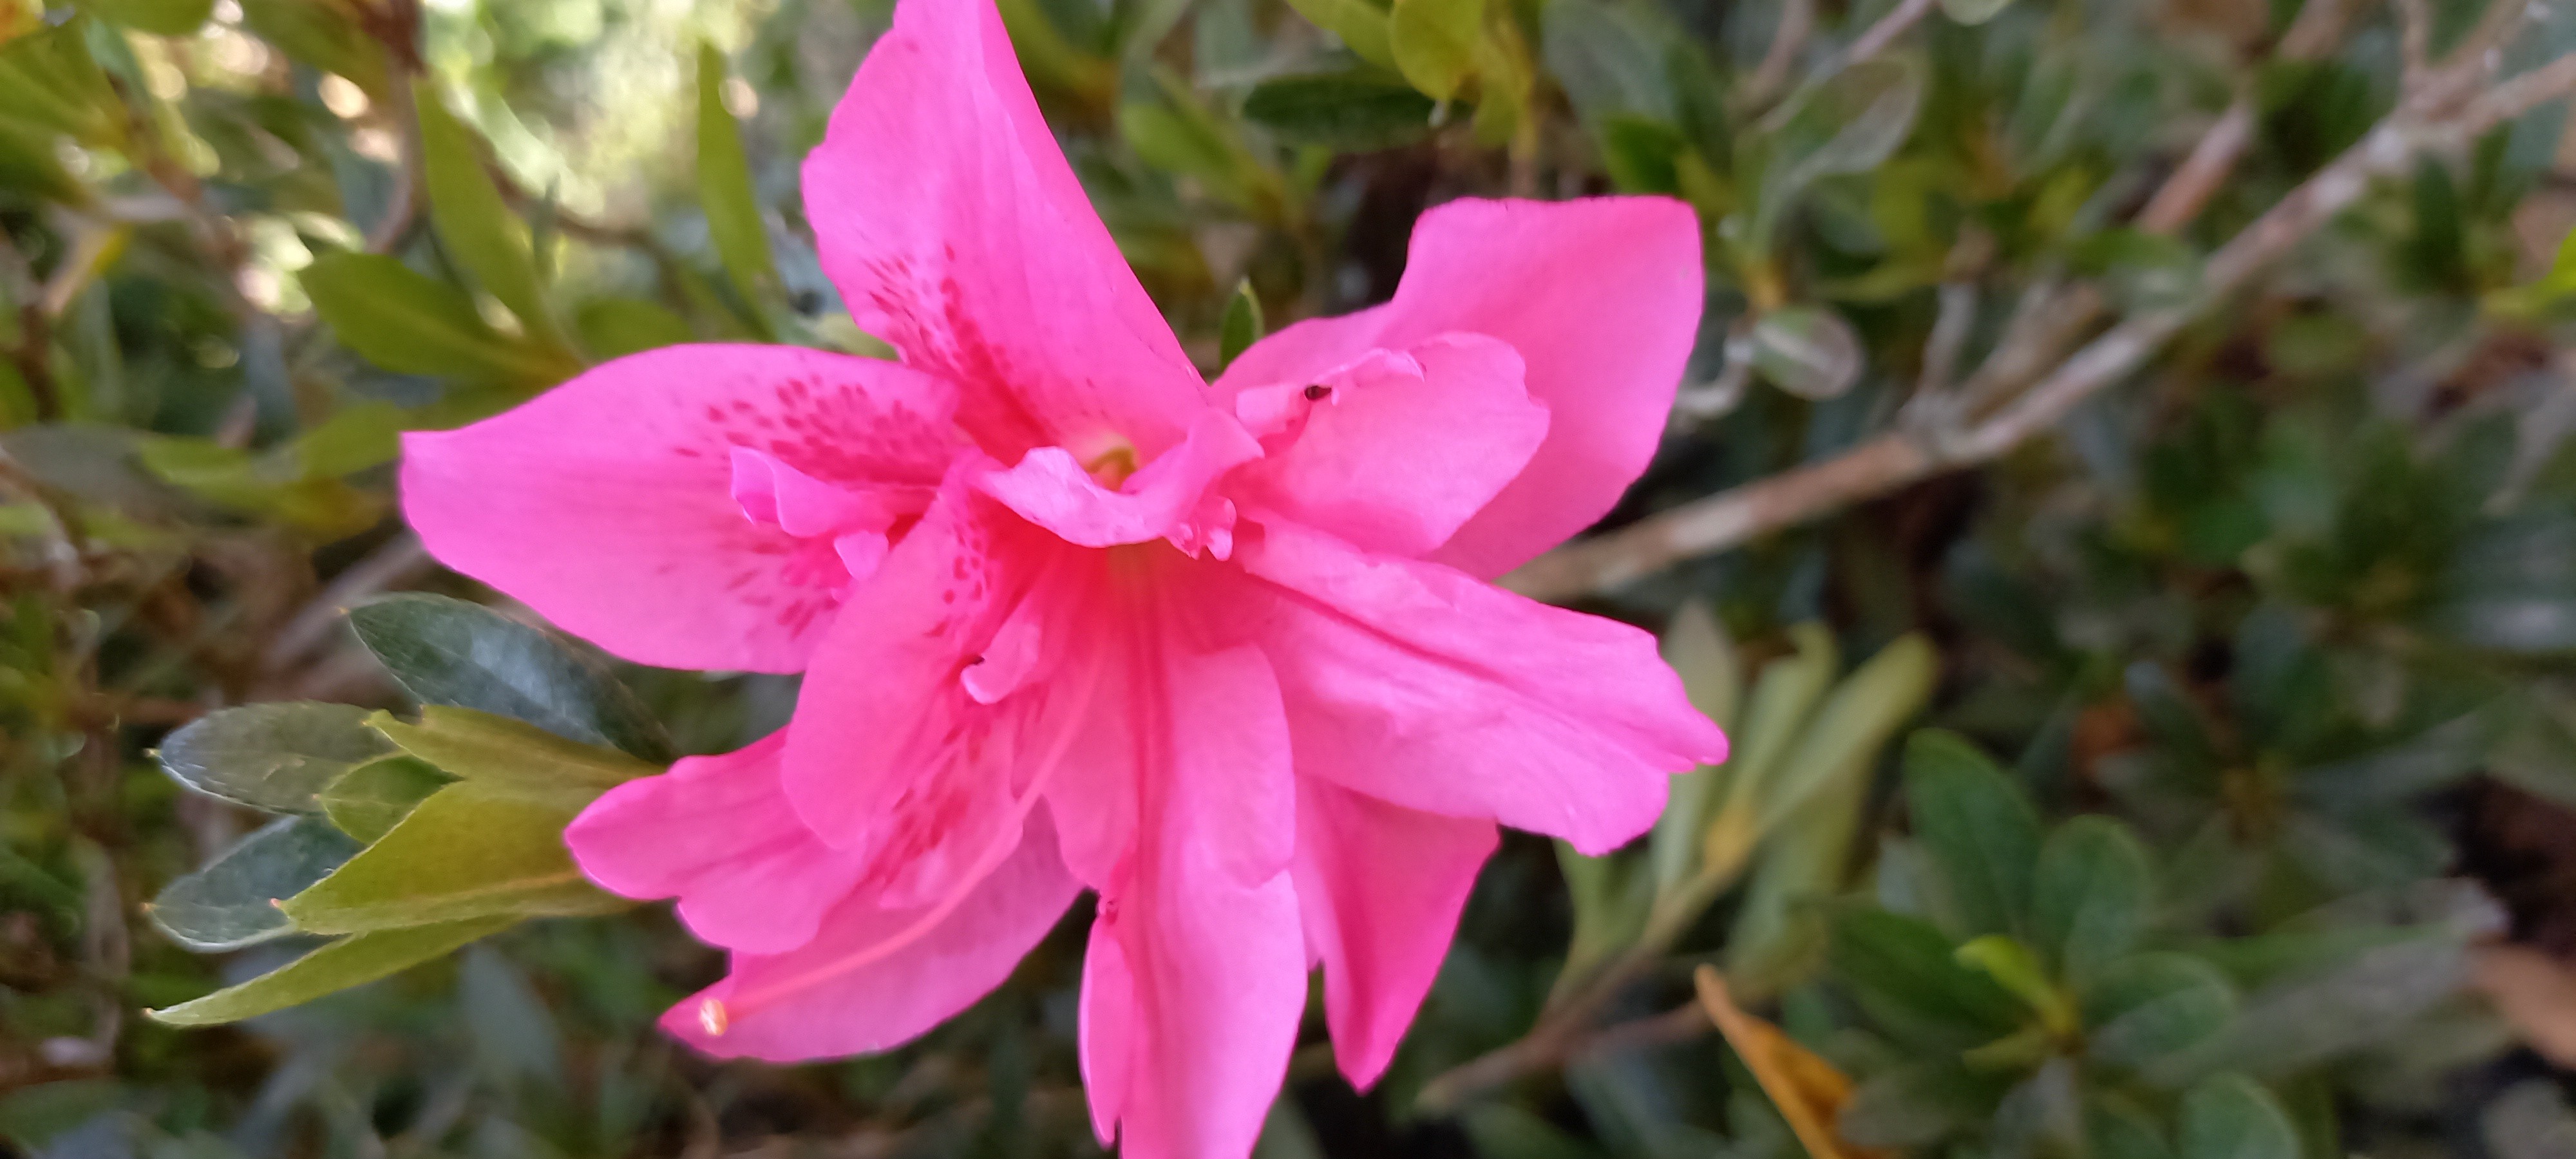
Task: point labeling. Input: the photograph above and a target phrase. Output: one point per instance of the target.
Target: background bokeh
(2291, 600)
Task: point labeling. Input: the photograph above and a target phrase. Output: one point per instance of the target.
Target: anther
(1317, 392)
(711, 1016)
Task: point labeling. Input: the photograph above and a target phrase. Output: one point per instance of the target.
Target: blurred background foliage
(2195, 781)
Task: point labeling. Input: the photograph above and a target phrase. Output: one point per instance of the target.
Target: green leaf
(1699, 651)
(1979, 829)
(1363, 27)
(2229, 1116)
(617, 327)
(273, 485)
(158, 17)
(475, 223)
(1349, 111)
(447, 651)
(338, 966)
(1973, 11)
(49, 80)
(467, 852)
(408, 322)
(2143, 1008)
(512, 756)
(1917, 1105)
(2015, 968)
(272, 756)
(725, 187)
(355, 438)
(1434, 42)
(1242, 325)
(1903, 969)
(2090, 898)
(232, 902)
(372, 798)
(1808, 351)
(319, 34)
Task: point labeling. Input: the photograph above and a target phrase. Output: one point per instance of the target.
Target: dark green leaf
(370, 799)
(725, 187)
(405, 321)
(1905, 970)
(1353, 111)
(1978, 827)
(1917, 1105)
(233, 902)
(1242, 325)
(338, 966)
(466, 852)
(272, 756)
(2143, 1008)
(2090, 897)
(447, 651)
(2229, 1116)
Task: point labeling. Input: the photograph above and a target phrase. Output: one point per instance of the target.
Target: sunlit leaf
(725, 187)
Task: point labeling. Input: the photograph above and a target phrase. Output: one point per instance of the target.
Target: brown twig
(1875, 39)
(2454, 108)
(1788, 39)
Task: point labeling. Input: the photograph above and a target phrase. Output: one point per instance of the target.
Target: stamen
(715, 1015)
(1316, 392)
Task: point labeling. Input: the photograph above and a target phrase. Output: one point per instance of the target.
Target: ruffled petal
(1381, 887)
(1601, 297)
(1394, 451)
(804, 1004)
(1215, 968)
(948, 217)
(1168, 499)
(608, 503)
(716, 833)
(1420, 685)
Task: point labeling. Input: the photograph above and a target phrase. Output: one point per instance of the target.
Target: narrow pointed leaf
(725, 187)
(512, 756)
(466, 852)
(338, 966)
(475, 223)
(1242, 325)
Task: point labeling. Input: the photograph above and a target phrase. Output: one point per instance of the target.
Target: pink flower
(1072, 618)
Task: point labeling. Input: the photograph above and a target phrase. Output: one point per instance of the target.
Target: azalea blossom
(1071, 617)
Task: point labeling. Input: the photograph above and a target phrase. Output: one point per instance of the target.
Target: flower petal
(1168, 499)
(888, 744)
(821, 1012)
(1396, 451)
(716, 833)
(947, 215)
(1602, 299)
(1216, 968)
(1381, 886)
(1425, 687)
(607, 504)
